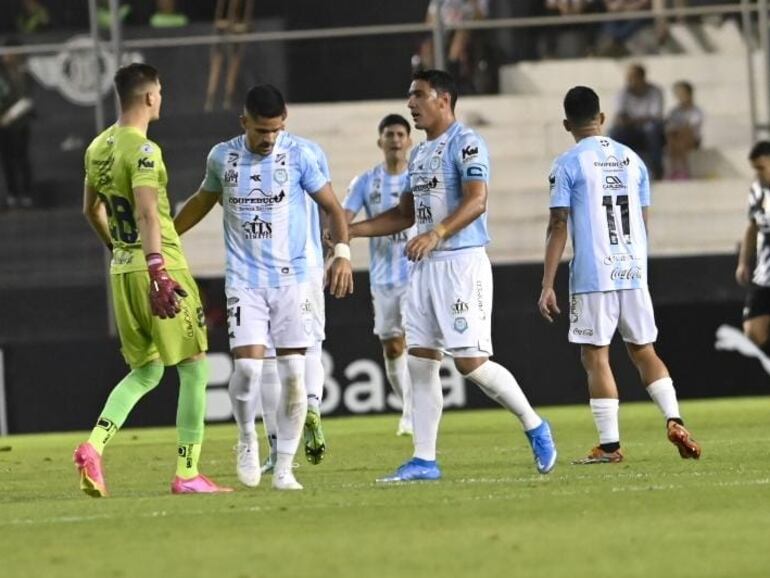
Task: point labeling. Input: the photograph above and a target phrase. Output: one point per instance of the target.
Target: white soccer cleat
(247, 464)
(285, 480)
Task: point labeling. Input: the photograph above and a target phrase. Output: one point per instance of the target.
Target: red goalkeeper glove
(164, 291)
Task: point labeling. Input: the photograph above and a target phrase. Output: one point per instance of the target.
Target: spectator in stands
(571, 40)
(33, 17)
(16, 109)
(460, 62)
(639, 119)
(167, 15)
(683, 131)
(616, 33)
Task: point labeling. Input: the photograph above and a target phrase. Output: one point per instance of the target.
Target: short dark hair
(392, 119)
(266, 101)
(640, 70)
(130, 78)
(441, 81)
(686, 85)
(581, 105)
(761, 149)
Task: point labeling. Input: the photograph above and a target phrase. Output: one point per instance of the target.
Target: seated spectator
(460, 63)
(616, 33)
(570, 40)
(639, 119)
(683, 131)
(33, 17)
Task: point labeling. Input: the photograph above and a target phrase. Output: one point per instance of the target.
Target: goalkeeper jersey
(117, 161)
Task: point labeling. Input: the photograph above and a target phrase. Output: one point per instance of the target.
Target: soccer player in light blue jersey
(376, 191)
(449, 302)
(600, 191)
(263, 179)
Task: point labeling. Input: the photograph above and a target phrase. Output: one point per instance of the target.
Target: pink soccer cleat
(200, 484)
(89, 464)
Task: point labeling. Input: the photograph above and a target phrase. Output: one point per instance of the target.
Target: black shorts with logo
(757, 302)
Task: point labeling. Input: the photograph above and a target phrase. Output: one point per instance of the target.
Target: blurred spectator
(639, 120)
(16, 110)
(683, 131)
(104, 14)
(167, 16)
(615, 34)
(230, 17)
(571, 40)
(33, 17)
(460, 62)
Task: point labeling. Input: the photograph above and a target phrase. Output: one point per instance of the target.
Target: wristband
(440, 230)
(342, 250)
(155, 261)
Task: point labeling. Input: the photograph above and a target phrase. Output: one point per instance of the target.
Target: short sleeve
(354, 200)
(755, 201)
(311, 178)
(645, 196)
(472, 158)
(89, 180)
(560, 184)
(323, 163)
(146, 162)
(212, 179)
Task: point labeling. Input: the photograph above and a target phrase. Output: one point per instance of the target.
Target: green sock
(122, 400)
(191, 410)
(187, 460)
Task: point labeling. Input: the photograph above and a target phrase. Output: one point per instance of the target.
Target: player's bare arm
(556, 241)
(96, 214)
(194, 209)
(392, 221)
(747, 254)
(340, 276)
(472, 206)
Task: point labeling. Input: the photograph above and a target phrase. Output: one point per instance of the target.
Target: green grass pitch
(492, 514)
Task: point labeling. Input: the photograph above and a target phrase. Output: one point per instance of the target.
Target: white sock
(397, 372)
(427, 403)
(244, 390)
(292, 403)
(283, 462)
(663, 394)
(499, 384)
(270, 390)
(605, 412)
(314, 377)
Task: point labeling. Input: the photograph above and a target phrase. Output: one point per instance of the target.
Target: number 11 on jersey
(625, 225)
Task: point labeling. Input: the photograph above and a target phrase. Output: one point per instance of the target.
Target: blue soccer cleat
(543, 448)
(414, 470)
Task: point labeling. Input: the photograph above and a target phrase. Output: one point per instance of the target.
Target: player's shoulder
(465, 135)
(225, 146)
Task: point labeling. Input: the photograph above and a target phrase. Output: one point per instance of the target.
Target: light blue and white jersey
(605, 185)
(266, 211)
(437, 170)
(314, 222)
(377, 191)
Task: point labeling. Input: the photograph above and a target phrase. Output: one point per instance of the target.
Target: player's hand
(742, 275)
(547, 304)
(339, 277)
(421, 246)
(164, 291)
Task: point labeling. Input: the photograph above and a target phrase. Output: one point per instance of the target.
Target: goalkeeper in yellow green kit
(157, 307)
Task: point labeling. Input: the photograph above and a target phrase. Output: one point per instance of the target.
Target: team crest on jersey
(460, 324)
(280, 176)
(435, 163)
(257, 229)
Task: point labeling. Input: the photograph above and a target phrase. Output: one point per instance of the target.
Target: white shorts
(319, 311)
(449, 303)
(594, 317)
(280, 317)
(389, 308)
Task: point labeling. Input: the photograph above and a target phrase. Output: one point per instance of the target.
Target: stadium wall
(56, 384)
